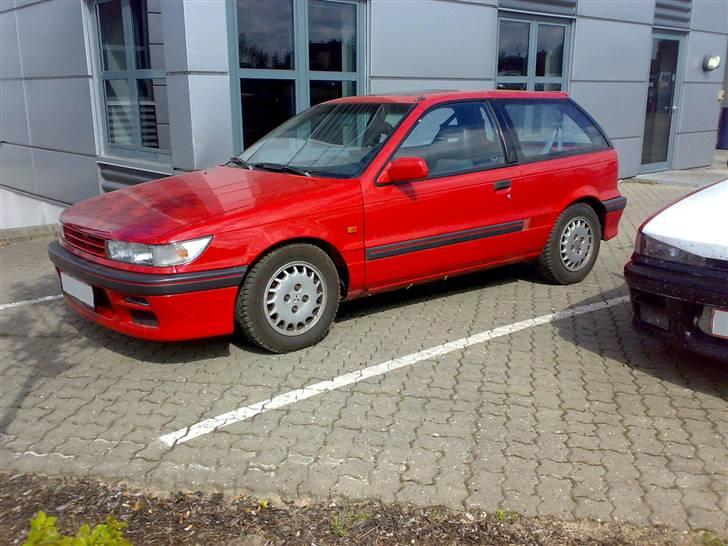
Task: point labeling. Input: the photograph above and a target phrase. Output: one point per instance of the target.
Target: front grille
(84, 241)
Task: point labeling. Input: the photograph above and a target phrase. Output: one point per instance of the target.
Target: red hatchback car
(354, 196)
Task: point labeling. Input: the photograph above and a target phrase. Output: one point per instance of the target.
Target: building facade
(99, 94)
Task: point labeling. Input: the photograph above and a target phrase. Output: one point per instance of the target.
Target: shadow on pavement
(640, 352)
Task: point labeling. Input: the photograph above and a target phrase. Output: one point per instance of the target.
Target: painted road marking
(246, 412)
(44, 299)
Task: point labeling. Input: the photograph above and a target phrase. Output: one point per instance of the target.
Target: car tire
(289, 298)
(572, 247)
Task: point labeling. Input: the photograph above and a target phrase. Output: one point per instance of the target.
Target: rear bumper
(157, 307)
(613, 213)
(668, 304)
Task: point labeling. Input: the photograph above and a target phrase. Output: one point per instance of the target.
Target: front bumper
(668, 302)
(165, 307)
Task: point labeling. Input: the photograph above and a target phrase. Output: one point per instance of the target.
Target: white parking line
(285, 399)
(28, 302)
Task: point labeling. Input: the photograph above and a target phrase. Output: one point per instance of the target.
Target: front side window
(455, 138)
(551, 128)
(133, 84)
(337, 140)
(293, 54)
(532, 55)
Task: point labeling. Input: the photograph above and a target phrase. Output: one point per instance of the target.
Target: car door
(458, 217)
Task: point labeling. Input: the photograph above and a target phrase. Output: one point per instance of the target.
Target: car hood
(697, 224)
(155, 210)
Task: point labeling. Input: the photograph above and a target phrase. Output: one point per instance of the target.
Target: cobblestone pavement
(581, 417)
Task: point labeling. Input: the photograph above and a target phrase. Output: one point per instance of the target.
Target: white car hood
(698, 224)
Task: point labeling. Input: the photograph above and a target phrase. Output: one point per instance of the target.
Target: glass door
(662, 98)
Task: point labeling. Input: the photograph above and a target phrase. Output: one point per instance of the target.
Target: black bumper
(678, 295)
(143, 284)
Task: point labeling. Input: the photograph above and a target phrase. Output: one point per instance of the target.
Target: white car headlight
(157, 255)
(647, 246)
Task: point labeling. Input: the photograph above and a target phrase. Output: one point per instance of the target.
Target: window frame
(506, 145)
(530, 79)
(514, 142)
(300, 74)
(131, 75)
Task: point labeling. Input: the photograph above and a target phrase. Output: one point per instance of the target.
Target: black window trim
(513, 138)
(508, 152)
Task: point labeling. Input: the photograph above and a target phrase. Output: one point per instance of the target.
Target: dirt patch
(196, 518)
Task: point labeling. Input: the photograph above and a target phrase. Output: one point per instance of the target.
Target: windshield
(337, 140)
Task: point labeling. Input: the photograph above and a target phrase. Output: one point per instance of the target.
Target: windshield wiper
(280, 168)
(238, 163)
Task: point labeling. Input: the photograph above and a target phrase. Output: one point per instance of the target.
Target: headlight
(157, 255)
(647, 246)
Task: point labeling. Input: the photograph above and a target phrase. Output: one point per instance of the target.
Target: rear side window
(455, 138)
(551, 128)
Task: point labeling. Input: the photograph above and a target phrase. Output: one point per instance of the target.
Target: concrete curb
(17, 235)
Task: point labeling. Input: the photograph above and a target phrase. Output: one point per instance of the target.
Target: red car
(352, 197)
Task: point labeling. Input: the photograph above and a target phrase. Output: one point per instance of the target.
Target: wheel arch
(595, 204)
(341, 267)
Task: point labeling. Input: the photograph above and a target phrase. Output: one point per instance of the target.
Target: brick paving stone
(582, 417)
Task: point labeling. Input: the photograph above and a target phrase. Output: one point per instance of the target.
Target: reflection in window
(111, 30)
(323, 90)
(148, 43)
(548, 87)
(118, 112)
(332, 36)
(266, 103)
(265, 33)
(153, 125)
(455, 138)
(513, 48)
(550, 50)
(512, 86)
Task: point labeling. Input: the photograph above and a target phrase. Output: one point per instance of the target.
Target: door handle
(502, 185)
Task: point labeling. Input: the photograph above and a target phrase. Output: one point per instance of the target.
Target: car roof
(442, 95)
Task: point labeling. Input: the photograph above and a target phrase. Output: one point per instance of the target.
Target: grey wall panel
(694, 150)
(9, 52)
(629, 151)
(555, 7)
(211, 119)
(13, 114)
(173, 30)
(699, 107)
(700, 44)
(16, 167)
(438, 39)
(619, 10)
(206, 34)
(180, 122)
(710, 15)
(68, 178)
(394, 85)
(52, 39)
(611, 51)
(673, 13)
(60, 114)
(618, 107)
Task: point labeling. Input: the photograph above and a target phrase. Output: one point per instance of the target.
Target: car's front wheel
(573, 245)
(289, 298)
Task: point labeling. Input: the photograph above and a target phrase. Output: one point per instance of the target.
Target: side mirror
(404, 169)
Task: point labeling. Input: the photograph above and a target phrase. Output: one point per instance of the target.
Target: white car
(678, 274)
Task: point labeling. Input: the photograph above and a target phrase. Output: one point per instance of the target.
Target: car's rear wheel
(289, 298)
(572, 247)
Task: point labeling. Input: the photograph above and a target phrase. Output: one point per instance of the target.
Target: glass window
(265, 34)
(337, 140)
(331, 36)
(323, 90)
(550, 50)
(455, 138)
(531, 55)
(266, 104)
(312, 44)
(552, 128)
(111, 33)
(513, 48)
(133, 77)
